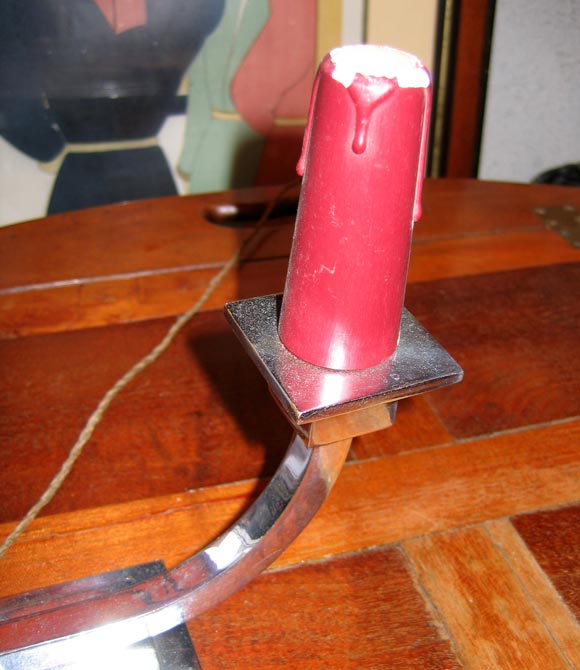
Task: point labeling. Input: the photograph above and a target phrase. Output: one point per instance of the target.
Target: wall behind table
(532, 113)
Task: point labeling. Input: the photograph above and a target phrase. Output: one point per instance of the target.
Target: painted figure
(85, 85)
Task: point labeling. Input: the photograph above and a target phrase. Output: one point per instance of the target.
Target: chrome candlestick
(139, 612)
(114, 613)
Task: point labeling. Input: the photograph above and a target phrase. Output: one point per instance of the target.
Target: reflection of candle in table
(363, 163)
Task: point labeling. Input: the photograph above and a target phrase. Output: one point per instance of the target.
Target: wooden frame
(465, 30)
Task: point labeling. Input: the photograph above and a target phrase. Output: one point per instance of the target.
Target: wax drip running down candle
(363, 162)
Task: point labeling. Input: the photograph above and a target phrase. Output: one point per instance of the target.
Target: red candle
(363, 162)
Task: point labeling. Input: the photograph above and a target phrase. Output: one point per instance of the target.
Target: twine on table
(248, 245)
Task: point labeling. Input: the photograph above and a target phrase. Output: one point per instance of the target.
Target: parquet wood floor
(451, 540)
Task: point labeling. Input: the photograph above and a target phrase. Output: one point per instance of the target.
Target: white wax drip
(378, 61)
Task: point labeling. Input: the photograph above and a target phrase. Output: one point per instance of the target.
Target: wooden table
(452, 540)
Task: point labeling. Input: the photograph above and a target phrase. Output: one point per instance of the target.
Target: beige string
(93, 421)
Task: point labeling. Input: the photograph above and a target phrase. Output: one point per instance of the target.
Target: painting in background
(88, 86)
(248, 102)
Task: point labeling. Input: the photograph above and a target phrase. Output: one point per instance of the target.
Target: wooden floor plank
(155, 270)
(517, 341)
(465, 206)
(188, 422)
(416, 426)
(80, 242)
(355, 612)
(479, 254)
(202, 415)
(375, 502)
(144, 236)
(553, 537)
(482, 603)
(545, 599)
(88, 303)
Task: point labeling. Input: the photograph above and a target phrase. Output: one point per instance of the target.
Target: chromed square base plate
(308, 393)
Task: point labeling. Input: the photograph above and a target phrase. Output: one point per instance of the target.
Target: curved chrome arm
(63, 624)
(53, 627)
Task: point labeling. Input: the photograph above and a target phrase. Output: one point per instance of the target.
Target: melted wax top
(368, 91)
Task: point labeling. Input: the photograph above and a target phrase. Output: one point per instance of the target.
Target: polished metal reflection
(64, 625)
(172, 650)
(309, 393)
(60, 626)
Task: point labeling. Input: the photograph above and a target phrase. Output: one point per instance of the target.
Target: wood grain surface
(468, 77)
(378, 501)
(553, 538)
(324, 603)
(477, 594)
(201, 416)
(149, 259)
(516, 336)
(541, 592)
(451, 540)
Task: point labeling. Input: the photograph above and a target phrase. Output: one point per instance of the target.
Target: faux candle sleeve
(363, 163)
